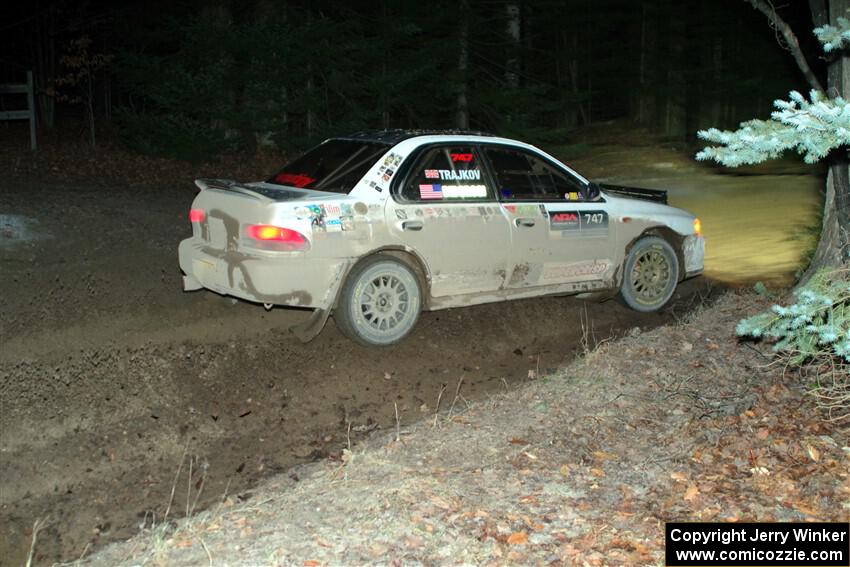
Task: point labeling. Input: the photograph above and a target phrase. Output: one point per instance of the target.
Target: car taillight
(269, 237)
(197, 215)
(698, 227)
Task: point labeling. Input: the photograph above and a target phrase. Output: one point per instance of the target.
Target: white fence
(29, 113)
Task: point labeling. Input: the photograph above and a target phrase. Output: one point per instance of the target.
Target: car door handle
(524, 222)
(412, 225)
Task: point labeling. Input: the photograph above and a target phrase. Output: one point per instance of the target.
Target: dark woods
(190, 79)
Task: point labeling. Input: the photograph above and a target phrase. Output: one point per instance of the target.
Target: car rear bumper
(278, 279)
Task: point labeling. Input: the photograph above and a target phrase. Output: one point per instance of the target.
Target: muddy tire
(650, 274)
(379, 303)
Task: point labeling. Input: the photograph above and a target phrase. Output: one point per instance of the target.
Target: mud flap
(310, 329)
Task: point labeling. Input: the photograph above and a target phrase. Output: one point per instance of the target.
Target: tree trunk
(834, 245)
(462, 116)
(675, 116)
(646, 69)
(513, 32)
(44, 40)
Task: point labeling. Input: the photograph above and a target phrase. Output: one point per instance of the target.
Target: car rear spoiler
(655, 195)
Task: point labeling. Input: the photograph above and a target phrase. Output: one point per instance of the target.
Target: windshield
(334, 166)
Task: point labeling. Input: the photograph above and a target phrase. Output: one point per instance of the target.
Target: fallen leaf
(597, 472)
(564, 470)
(518, 538)
(691, 493)
(814, 454)
(679, 476)
(312, 563)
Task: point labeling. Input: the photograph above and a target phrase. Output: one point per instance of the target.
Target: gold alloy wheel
(651, 276)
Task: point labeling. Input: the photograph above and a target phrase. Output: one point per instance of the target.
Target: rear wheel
(379, 303)
(650, 274)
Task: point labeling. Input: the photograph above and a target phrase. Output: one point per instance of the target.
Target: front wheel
(379, 303)
(650, 274)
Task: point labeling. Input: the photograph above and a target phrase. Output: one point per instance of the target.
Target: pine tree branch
(790, 38)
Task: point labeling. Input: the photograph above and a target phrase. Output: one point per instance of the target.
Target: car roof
(393, 137)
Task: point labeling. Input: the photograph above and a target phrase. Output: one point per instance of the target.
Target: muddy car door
(560, 233)
(444, 209)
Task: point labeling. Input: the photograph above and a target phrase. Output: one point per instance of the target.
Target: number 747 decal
(578, 220)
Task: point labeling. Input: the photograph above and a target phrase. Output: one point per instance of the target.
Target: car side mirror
(591, 191)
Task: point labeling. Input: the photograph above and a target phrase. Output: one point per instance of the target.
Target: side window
(447, 173)
(522, 176)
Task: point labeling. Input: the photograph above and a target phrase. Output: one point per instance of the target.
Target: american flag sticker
(432, 174)
(431, 191)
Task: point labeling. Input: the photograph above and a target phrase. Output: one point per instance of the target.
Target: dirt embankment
(581, 467)
(109, 375)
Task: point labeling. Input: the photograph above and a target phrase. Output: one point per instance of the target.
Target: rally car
(376, 227)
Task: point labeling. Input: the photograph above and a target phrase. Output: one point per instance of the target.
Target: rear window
(335, 166)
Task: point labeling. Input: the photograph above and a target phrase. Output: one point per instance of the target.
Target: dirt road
(110, 375)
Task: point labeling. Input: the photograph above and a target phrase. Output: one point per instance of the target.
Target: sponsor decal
(387, 175)
(419, 213)
(578, 220)
(462, 175)
(360, 208)
(462, 157)
(565, 271)
(432, 174)
(431, 191)
(346, 209)
(347, 223)
(400, 214)
(294, 179)
(510, 208)
(572, 196)
(564, 220)
(464, 191)
(375, 186)
(332, 210)
(392, 160)
(333, 224)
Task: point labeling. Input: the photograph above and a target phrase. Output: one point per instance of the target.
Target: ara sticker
(564, 220)
(462, 157)
(578, 220)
